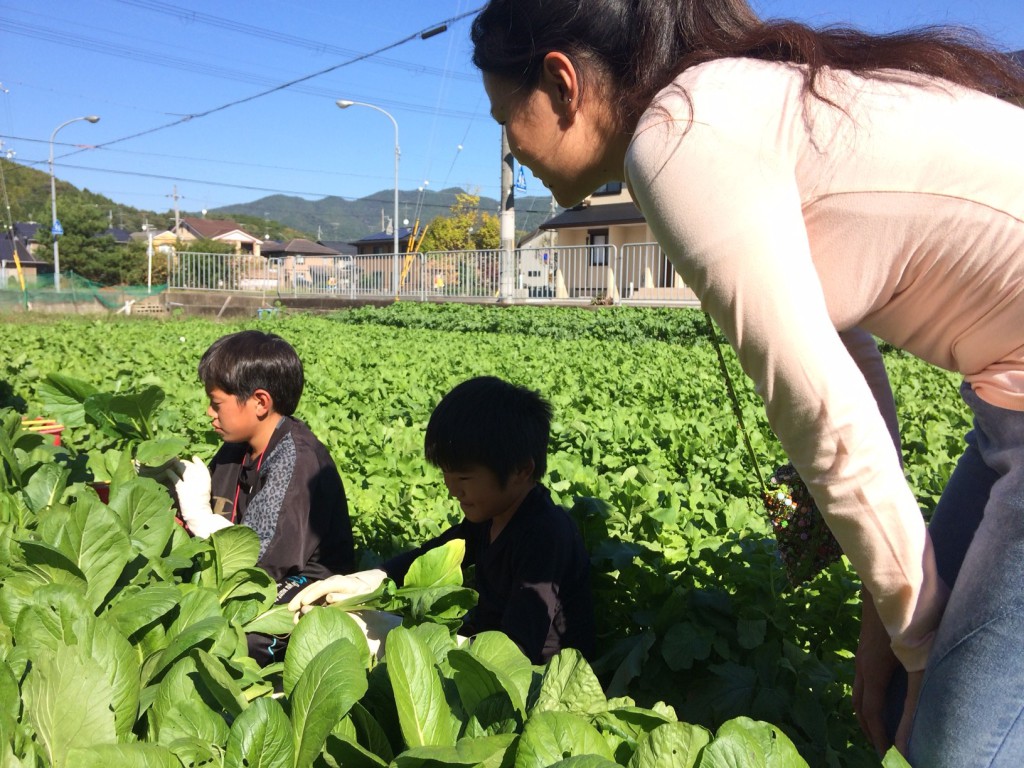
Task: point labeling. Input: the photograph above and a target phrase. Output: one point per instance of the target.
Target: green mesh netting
(74, 289)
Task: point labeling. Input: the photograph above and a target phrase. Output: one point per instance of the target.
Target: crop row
(693, 606)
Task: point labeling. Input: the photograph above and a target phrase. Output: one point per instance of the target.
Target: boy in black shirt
(271, 474)
(532, 573)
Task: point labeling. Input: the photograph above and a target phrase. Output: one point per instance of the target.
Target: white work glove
(375, 626)
(335, 589)
(193, 491)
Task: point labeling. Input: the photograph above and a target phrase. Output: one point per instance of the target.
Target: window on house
(611, 188)
(597, 239)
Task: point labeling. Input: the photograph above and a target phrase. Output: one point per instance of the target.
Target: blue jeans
(971, 711)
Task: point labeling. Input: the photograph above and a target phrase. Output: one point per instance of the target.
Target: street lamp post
(345, 104)
(53, 199)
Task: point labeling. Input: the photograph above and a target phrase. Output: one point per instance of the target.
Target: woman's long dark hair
(643, 44)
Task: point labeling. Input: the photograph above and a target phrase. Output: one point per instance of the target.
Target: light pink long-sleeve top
(900, 214)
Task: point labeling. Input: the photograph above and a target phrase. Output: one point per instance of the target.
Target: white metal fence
(635, 273)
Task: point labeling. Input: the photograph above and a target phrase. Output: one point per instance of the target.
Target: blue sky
(145, 64)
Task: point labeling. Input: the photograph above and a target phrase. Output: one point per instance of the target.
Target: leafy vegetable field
(121, 638)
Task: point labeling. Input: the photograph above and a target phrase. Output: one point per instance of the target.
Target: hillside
(281, 216)
(341, 219)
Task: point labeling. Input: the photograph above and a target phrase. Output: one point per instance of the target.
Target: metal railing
(635, 273)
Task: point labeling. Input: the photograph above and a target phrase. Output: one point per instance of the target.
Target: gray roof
(596, 216)
(7, 250)
(302, 247)
(341, 247)
(403, 233)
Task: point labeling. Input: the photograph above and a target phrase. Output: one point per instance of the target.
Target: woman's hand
(335, 589)
(914, 681)
(874, 668)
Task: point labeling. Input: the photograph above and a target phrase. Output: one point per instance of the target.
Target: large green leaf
(54, 615)
(220, 683)
(127, 417)
(438, 567)
(742, 742)
(131, 611)
(485, 752)
(492, 716)
(69, 703)
(140, 407)
(236, 547)
(10, 466)
(50, 565)
(443, 605)
(192, 718)
(439, 640)
(475, 682)
(589, 761)
(46, 486)
(123, 756)
(552, 736)
(275, 621)
(145, 509)
(342, 752)
(246, 594)
(182, 707)
(501, 655)
(332, 682)
(120, 662)
(369, 731)
(195, 605)
(10, 695)
(95, 539)
(62, 398)
(317, 630)
(203, 634)
(423, 713)
(261, 737)
(160, 452)
(630, 724)
(569, 685)
(675, 744)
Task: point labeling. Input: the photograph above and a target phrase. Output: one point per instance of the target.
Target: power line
(172, 9)
(167, 156)
(285, 85)
(190, 65)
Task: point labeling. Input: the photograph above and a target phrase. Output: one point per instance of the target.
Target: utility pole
(507, 222)
(551, 215)
(177, 216)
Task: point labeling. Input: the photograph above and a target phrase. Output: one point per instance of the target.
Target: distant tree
(205, 246)
(82, 248)
(464, 228)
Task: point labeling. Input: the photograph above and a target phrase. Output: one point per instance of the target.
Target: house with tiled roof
(605, 233)
(20, 242)
(383, 242)
(221, 230)
(313, 266)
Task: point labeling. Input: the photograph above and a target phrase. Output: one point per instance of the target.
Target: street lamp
(345, 104)
(54, 230)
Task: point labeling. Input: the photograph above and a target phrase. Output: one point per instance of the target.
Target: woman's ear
(560, 78)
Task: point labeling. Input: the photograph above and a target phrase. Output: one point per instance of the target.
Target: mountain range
(282, 217)
(336, 218)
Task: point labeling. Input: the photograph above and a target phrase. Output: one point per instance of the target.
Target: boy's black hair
(489, 422)
(240, 363)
